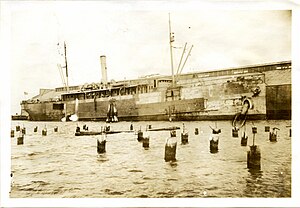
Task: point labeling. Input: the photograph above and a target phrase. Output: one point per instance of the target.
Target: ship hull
(218, 95)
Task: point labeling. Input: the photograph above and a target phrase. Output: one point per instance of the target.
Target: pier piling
(101, 144)
(184, 135)
(17, 128)
(244, 140)
(196, 131)
(170, 147)
(290, 135)
(184, 138)
(140, 135)
(273, 135)
(23, 130)
(214, 140)
(131, 127)
(253, 155)
(214, 146)
(254, 130)
(85, 127)
(235, 132)
(267, 128)
(146, 142)
(44, 132)
(12, 133)
(20, 139)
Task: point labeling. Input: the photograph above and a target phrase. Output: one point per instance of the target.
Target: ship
(255, 92)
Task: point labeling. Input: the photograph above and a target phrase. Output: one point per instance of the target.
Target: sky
(135, 41)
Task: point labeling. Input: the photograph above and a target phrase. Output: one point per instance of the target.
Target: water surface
(62, 165)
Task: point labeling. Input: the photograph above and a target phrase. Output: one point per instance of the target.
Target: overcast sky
(135, 41)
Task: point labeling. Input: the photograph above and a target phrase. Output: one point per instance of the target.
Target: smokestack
(103, 69)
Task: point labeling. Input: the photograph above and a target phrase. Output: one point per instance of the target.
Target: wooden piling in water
(12, 133)
(146, 141)
(56, 129)
(140, 136)
(196, 131)
(23, 130)
(273, 135)
(44, 132)
(267, 128)
(244, 140)
(101, 144)
(235, 132)
(170, 147)
(20, 139)
(184, 138)
(35, 129)
(253, 155)
(214, 140)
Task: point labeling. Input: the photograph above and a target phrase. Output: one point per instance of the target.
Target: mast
(171, 37)
(66, 66)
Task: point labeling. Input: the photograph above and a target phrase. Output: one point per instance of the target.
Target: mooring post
(44, 132)
(267, 128)
(56, 129)
(101, 143)
(146, 140)
(196, 131)
(170, 147)
(18, 128)
(244, 140)
(20, 139)
(24, 130)
(253, 155)
(140, 135)
(12, 133)
(184, 135)
(131, 127)
(184, 138)
(214, 140)
(35, 129)
(273, 135)
(235, 132)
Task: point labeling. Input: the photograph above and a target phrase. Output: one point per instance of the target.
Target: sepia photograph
(148, 103)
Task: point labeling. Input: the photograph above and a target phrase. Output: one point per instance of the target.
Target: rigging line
(61, 75)
(186, 59)
(181, 59)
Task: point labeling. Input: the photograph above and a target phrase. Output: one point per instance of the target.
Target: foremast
(171, 38)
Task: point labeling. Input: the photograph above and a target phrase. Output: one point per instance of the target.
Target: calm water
(63, 165)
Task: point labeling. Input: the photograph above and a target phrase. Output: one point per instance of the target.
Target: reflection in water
(173, 164)
(254, 183)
